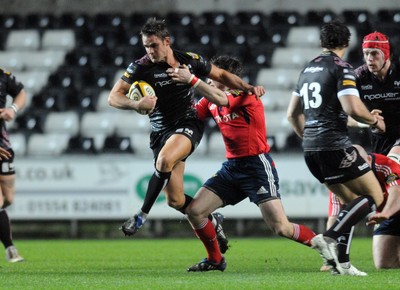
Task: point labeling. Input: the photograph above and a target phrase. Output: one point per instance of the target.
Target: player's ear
(167, 40)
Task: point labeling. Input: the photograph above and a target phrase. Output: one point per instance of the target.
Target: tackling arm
(391, 208)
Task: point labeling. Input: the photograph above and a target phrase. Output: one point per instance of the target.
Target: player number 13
(311, 95)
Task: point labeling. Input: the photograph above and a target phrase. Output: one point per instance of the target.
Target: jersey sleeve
(14, 87)
(131, 73)
(202, 109)
(237, 98)
(200, 66)
(347, 80)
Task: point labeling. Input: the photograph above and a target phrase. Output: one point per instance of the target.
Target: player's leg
(276, 219)
(7, 183)
(198, 212)
(386, 251)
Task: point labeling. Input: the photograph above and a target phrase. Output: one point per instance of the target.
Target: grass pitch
(270, 263)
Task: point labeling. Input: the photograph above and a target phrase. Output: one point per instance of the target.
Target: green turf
(270, 263)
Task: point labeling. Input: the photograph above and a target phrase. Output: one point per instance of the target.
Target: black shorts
(7, 166)
(389, 227)
(193, 129)
(336, 166)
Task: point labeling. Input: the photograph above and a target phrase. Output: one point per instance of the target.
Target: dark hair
(155, 27)
(334, 34)
(228, 63)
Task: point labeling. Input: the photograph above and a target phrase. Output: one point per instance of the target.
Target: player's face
(374, 59)
(156, 48)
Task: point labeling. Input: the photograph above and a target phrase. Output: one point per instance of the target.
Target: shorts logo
(186, 131)
(348, 159)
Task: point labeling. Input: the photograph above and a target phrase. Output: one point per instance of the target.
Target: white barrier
(113, 188)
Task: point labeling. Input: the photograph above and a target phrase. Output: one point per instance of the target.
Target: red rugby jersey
(242, 123)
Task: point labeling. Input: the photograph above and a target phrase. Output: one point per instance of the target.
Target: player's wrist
(194, 81)
(14, 107)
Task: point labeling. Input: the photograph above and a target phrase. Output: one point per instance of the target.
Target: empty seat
(58, 39)
(47, 144)
(278, 127)
(10, 60)
(141, 144)
(81, 145)
(274, 100)
(94, 123)
(278, 78)
(18, 143)
(319, 17)
(23, 40)
(296, 57)
(128, 123)
(62, 122)
(303, 36)
(33, 80)
(115, 144)
(47, 60)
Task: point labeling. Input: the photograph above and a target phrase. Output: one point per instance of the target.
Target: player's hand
(7, 114)
(4, 154)
(257, 90)
(377, 218)
(181, 74)
(147, 103)
(380, 127)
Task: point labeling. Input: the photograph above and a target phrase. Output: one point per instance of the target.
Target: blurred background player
(9, 86)
(176, 130)
(325, 95)
(249, 171)
(376, 82)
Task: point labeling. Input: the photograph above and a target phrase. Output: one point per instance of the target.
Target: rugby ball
(138, 90)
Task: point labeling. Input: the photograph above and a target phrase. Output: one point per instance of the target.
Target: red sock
(302, 234)
(206, 233)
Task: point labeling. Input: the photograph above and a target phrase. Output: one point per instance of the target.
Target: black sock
(188, 199)
(350, 215)
(343, 246)
(157, 183)
(5, 229)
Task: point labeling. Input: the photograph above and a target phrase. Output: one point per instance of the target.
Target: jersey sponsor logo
(161, 75)
(313, 69)
(367, 87)
(389, 95)
(226, 118)
(213, 106)
(127, 75)
(164, 83)
(349, 83)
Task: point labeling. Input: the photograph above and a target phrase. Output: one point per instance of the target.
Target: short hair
(334, 35)
(228, 63)
(155, 27)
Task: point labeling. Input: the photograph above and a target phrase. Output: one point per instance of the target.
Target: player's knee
(165, 163)
(281, 230)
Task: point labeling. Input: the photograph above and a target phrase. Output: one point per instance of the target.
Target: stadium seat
(95, 123)
(115, 144)
(319, 17)
(102, 102)
(275, 100)
(131, 122)
(53, 99)
(278, 78)
(28, 39)
(33, 80)
(303, 36)
(285, 18)
(18, 143)
(43, 60)
(76, 21)
(11, 61)
(31, 121)
(62, 122)
(109, 19)
(140, 142)
(12, 21)
(58, 39)
(41, 21)
(294, 58)
(388, 16)
(47, 144)
(278, 127)
(81, 145)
